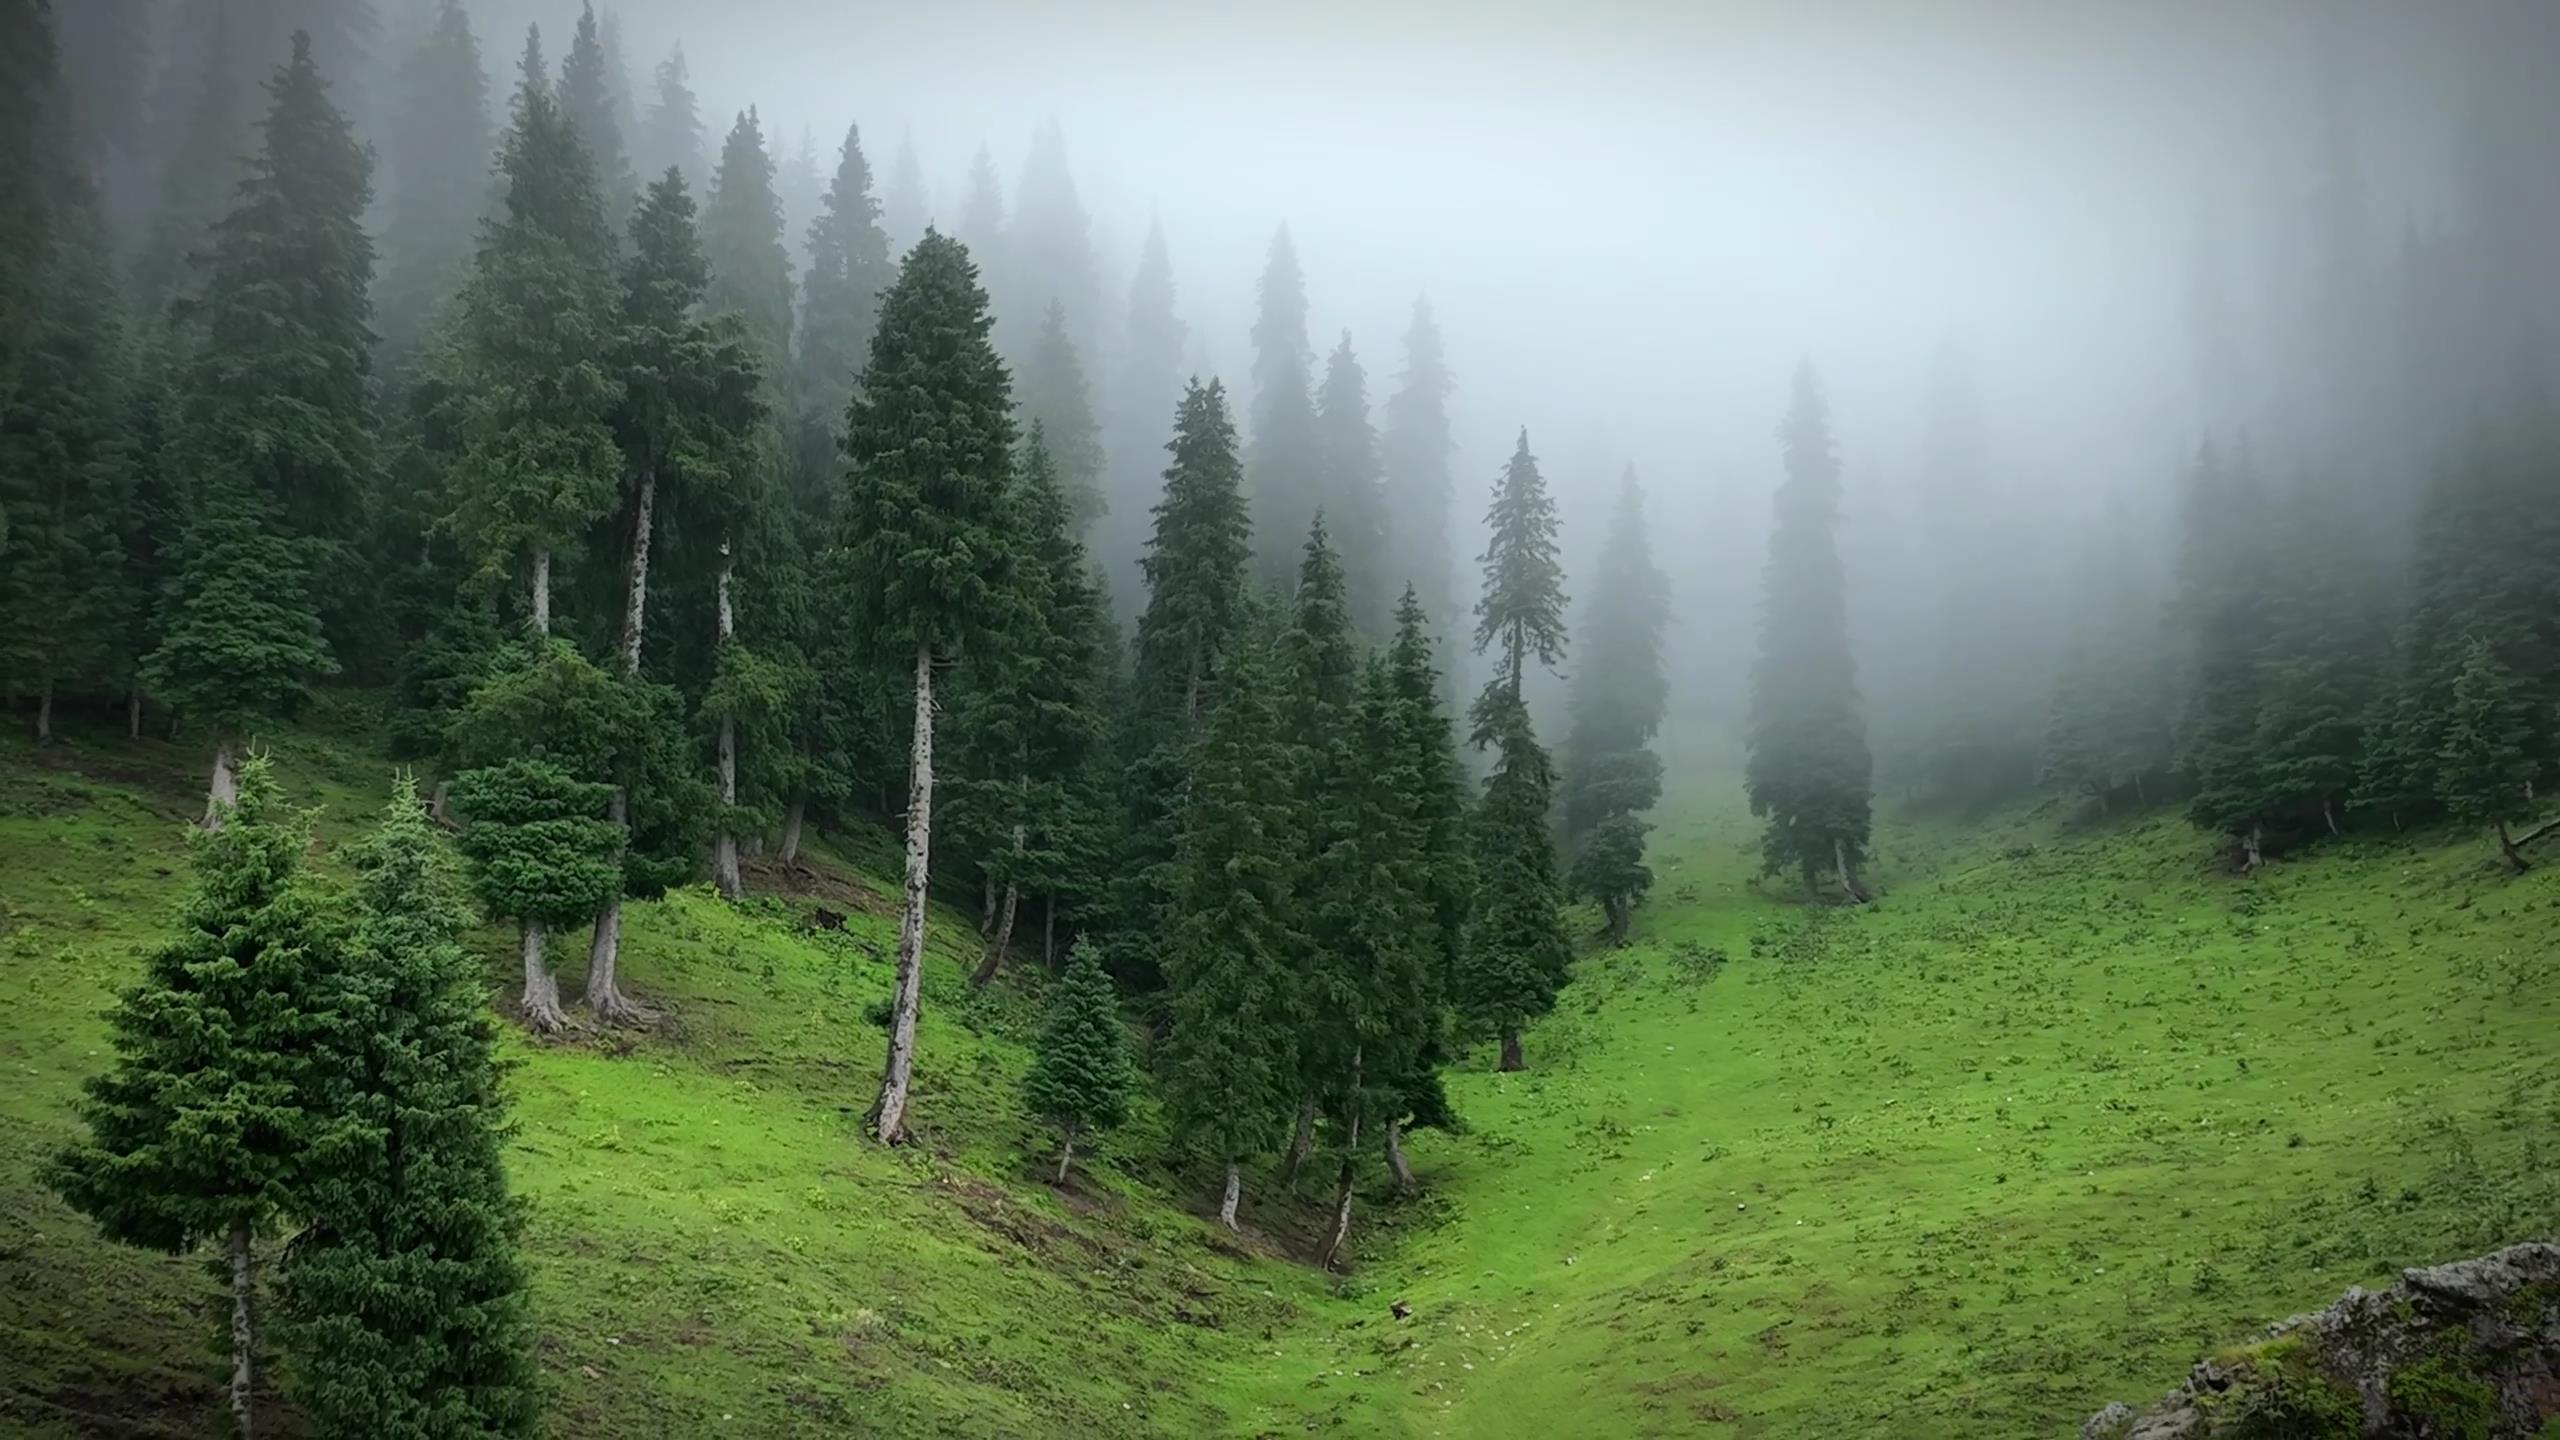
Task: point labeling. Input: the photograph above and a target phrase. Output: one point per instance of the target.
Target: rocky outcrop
(2467, 1351)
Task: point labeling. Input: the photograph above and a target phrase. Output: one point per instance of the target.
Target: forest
(483, 481)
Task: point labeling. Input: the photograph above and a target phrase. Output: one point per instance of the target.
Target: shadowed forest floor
(2062, 1111)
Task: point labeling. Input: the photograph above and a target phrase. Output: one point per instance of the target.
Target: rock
(2471, 1348)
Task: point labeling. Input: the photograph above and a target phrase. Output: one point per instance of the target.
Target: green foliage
(241, 640)
(1609, 869)
(591, 101)
(1523, 605)
(742, 235)
(404, 1300)
(670, 137)
(1514, 956)
(849, 270)
(539, 845)
(1619, 694)
(1810, 775)
(1079, 1080)
(1286, 459)
(1056, 402)
(435, 159)
(1348, 477)
(1413, 454)
(2222, 610)
(2484, 773)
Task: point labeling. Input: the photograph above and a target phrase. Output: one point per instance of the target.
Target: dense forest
(688, 489)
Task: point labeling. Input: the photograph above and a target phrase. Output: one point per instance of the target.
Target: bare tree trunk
(987, 902)
(541, 592)
(1396, 1163)
(541, 1002)
(244, 1333)
(44, 713)
(133, 712)
(1511, 1057)
(437, 803)
(2252, 848)
(1342, 1185)
(891, 1114)
(793, 817)
(1003, 941)
(2329, 813)
(1049, 933)
(724, 855)
(1302, 1141)
(2514, 852)
(224, 792)
(604, 995)
(1848, 876)
(1066, 1153)
(1235, 1191)
(635, 594)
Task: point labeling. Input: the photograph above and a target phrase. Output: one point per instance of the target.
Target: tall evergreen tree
(592, 88)
(2223, 611)
(742, 234)
(1321, 676)
(849, 270)
(1522, 609)
(224, 1069)
(1056, 400)
(1049, 253)
(925, 554)
(404, 1300)
(436, 160)
(2484, 771)
(204, 137)
(905, 208)
(1078, 1082)
(671, 134)
(1145, 385)
(1284, 464)
(275, 426)
(1514, 956)
(1354, 506)
(1414, 455)
(1424, 762)
(1809, 773)
(2108, 728)
(2326, 653)
(982, 226)
(1611, 775)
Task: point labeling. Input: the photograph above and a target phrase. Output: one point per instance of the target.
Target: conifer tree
(2484, 771)
(926, 559)
(905, 209)
(1284, 464)
(1057, 402)
(982, 226)
(591, 91)
(1809, 774)
(1354, 506)
(742, 235)
(206, 107)
(2108, 728)
(1321, 676)
(2223, 611)
(2323, 666)
(1414, 459)
(849, 270)
(1049, 252)
(1079, 1079)
(1514, 955)
(1194, 618)
(436, 164)
(1522, 609)
(1230, 931)
(225, 1065)
(671, 134)
(1610, 773)
(1425, 765)
(275, 427)
(534, 382)
(404, 1300)
(1145, 385)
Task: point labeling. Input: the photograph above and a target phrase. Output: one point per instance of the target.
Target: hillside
(2060, 1112)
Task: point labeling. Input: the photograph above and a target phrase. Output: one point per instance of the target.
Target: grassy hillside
(2062, 1111)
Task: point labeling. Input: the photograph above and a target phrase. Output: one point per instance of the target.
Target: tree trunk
(1049, 933)
(987, 902)
(604, 995)
(1302, 1141)
(724, 854)
(1511, 1057)
(1342, 1183)
(2252, 848)
(44, 713)
(436, 804)
(224, 792)
(1066, 1153)
(1235, 1191)
(1005, 912)
(1397, 1165)
(2508, 847)
(244, 1333)
(133, 712)
(793, 817)
(635, 594)
(541, 592)
(891, 1114)
(541, 1002)
(2329, 813)
(1848, 876)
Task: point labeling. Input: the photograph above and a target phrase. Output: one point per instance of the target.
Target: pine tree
(671, 136)
(225, 1065)
(436, 160)
(1195, 617)
(1425, 765)
(2108, 726)
(926, 560)
(2323, 666)
(2484, 771)
(1145, 385)
(202, 141)
(1230, 931)
(849, 270)
(2223, 612)
(1079, 1078)
(1354, 505)
(1414, 456)
(1523, 605)
(742, 233)
(1619, 695)
(403, 1300)
(1284, 462)
(591, 97)
(1514, 956)
(1809, 773)
(275, 428)
(534, 382)
(1049, 256)
(1057, 402)
(1321, 675)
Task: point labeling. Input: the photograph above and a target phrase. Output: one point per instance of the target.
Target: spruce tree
(1611, 775)
(1079, 1078)
(1321, 676)
(534, 383)
(1145, 385)
(1284, 464)
(1050, 261)
(1057, 402)
(206, 106)
(1230, 932)
(2108, 728)
(1414, 461)
(591, 94)
(1809, 773)
(905, 209)
(849, 269)
(1354, 506)
(2484, 772)
(1425, 763)
(275, 427)
(926, 559)
(2222, 610)
(671, 134)
(1522, 609)
(1514, 956)
(742, 235)
(226, 1069)
(404, 1300)
(981, 226)
(436, 167)
(2323, 666)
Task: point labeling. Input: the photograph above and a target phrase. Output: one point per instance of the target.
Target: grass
(2061, 1113)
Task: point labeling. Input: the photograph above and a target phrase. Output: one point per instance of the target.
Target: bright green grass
(2062, 1112)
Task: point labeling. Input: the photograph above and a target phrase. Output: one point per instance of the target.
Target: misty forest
(996, 720)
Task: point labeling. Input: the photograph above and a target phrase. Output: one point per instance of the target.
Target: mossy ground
(2061, 1113)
